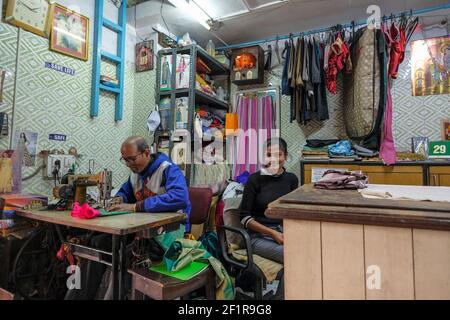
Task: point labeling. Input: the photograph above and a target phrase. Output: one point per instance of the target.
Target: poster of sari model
(26, 141)
(183, 71)
(430, 66)
(166, 72)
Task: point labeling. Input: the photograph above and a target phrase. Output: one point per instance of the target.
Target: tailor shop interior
(229, 150)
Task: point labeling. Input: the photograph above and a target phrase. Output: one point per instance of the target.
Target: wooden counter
(337, 245)
(426, 173)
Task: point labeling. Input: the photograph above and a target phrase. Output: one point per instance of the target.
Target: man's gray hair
(138, 141)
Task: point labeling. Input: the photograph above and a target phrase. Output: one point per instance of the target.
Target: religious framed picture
(69, 33)
(430, 66)
(144, 56)
(445, 129)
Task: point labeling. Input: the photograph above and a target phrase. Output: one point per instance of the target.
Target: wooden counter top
(437, 162)
(348, 206)
(118, 225)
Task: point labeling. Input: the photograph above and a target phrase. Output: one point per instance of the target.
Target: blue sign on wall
(59, 68)
(57, 137)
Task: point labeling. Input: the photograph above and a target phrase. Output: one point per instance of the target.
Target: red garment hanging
(339, 58)
(398, 48)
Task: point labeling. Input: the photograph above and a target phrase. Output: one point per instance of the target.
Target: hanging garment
(241, 143)
(269, 120)
(256, 120)
(292, 62)
(285, 85)
(253, 136)
(299, 65)
(387, 149)
(314, 75)
(396, 49)
(268, 64)
(297, 83)
(307, 80)
(293, 65)
(292, 77)
(339, 56)
(365, 89)
(321, 90)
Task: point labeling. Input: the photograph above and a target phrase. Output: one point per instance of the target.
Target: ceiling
(131, 3)
(278, 19)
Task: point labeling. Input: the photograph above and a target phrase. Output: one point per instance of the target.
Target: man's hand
(113, 202)
(122, 207)
(277, 236)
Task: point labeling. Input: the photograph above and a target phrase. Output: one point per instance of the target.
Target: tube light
(193, 10)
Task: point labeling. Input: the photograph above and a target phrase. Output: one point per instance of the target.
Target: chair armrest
(248, 247)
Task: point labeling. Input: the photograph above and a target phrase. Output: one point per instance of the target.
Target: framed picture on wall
(445, 129)
(430, 66)
(69, 33)
(144, 56)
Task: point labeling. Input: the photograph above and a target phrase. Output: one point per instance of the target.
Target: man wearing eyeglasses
(155, 185)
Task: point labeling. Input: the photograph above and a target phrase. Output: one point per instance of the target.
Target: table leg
(122, 268)
(115, 267)
(119, 267)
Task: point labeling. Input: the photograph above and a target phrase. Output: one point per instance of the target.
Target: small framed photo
(445, 129)
(69, 33)
(144, 56)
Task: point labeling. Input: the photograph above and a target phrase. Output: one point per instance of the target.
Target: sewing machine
(74, 187)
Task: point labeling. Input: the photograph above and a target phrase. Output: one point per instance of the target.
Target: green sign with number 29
(439, 149)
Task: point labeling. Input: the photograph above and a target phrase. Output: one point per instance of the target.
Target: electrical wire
(218, 38)
(34, 173)
(155, 56)
(162, 16)
(200, 7)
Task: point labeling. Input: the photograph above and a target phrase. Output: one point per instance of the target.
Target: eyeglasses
(131, 159)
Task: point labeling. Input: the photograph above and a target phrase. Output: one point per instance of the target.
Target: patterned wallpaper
(415, 116)
(8, 50)
(48, 101)
(144, 101)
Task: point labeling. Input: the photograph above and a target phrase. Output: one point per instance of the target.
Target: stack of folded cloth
(333, 179)
(309, 153)
(364, 152)
(316, 149)
(342, 150)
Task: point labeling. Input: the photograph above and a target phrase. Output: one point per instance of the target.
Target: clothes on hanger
(338, 59)
(256, 119)
(285, 86)
(320, 91)
(304, 73)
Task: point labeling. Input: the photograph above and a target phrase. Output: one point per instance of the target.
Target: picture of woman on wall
(26, 143)
(27, 160)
